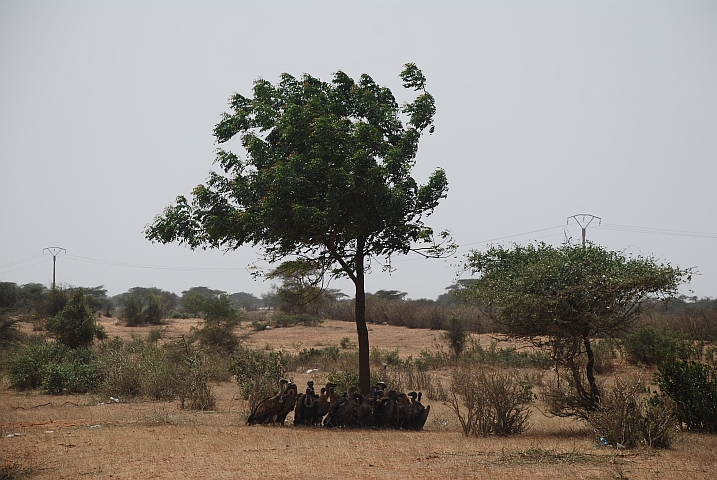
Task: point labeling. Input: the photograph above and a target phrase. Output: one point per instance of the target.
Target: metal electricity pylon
(586, 220)
(54, 251)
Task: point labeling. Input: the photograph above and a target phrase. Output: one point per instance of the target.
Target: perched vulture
(267, 410)
(288, 401)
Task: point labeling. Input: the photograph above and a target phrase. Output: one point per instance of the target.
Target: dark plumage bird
(323, 404)
(268, 409)
(287, 404)
(306, 406)
(417, 413)
(402, 407)
(344, 412)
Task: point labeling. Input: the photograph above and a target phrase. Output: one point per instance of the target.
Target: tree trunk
(361, 329)
(594, 390)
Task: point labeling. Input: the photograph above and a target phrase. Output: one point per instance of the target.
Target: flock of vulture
(383, 409)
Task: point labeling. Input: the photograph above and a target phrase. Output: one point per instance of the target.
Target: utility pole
(54, 251)
(585, 222)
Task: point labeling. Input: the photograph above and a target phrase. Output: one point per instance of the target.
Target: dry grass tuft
(19, 467)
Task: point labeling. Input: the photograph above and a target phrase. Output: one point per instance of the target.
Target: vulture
(402, 407)
(344, 411)
(323, 404)
(267, 410)
(305, 406)
(417, 413)
(288, 401)
(365, 411)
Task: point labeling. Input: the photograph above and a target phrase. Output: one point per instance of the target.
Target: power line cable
(658, 231)
(21, 261)
(152, 267)
(23, 267)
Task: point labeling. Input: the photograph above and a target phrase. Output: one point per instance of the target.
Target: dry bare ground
(84, 436)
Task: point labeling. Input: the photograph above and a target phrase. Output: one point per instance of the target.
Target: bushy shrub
(258, 373)
(651, 346)
(75, 326)
(348, 376)
(27, 364)
(191, 380)
(407, 376)
(135, 368)
(428, 360)
(659, 422)
(692, 386)
(9, 333)
(309, 355)
(155, 310)
(219, 337)
(625, 418)
(258, 326)
(53, 367)
(155, 335)
(456, 335)
(290, 319)
(69, 377)
(490, 403)
(220, 309)
(506, 357)
(132, 312)
(141, 306)
(55, 301)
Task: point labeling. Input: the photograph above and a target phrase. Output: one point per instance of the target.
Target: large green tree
(324, 176)
(567, 296)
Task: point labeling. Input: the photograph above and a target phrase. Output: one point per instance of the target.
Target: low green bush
(54, 368)
(692, 386)
(220, 337)
(651, 346)
(307, 355)
(27, 364)
(290, 319)
(507, 357)
(258, 373)
(69, 377)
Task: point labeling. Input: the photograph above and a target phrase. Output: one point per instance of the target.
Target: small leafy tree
(246, 301)
(563, 298)
(75, 326)
(193, 303)
(220, 319)
(326, 178)
(9, 295)
(155, 310)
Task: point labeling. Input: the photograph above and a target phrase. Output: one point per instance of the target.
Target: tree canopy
(568, 294)
(325, 176)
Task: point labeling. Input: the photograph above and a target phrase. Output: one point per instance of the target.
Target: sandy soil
(85, 436)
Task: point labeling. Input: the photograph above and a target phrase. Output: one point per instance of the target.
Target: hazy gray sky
(545, 110)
